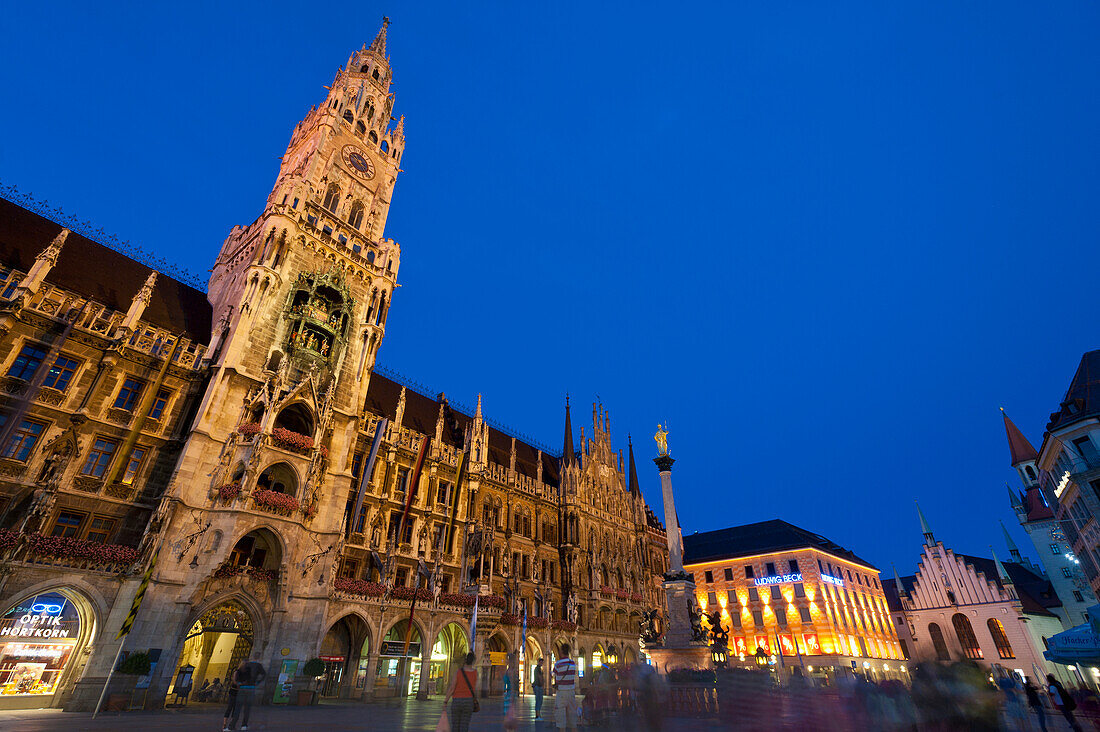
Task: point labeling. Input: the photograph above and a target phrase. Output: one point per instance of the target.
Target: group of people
(614, 688)
(241, 693)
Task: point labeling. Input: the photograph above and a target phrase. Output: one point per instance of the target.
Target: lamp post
(761, 657)
(719, 654)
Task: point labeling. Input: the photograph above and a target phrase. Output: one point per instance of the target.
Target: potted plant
(314, 669)
(134, 666)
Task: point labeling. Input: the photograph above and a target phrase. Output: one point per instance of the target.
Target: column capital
(664, 463)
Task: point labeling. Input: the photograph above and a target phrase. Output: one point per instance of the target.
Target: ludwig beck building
(289, 502)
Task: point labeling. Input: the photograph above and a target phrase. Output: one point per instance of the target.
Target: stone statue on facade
(571, 608)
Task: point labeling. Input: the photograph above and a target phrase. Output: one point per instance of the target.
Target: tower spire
(1013, 550)
(568, 457)
(1002, 573)
(1019, 448)
(1014, 498)
(929, 540)
(635, 489)
(378, 45)
(897, 582)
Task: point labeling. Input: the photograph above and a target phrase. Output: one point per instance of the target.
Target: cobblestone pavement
(382, 716)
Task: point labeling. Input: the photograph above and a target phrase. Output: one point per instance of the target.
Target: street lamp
(719, 654)
(761, 657)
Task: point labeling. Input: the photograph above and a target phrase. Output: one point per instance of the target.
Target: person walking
(537, 685)
(232, 689)
(1036, 704)
(461, 695)
(565, 685)
(1062, 701)
(248, 676)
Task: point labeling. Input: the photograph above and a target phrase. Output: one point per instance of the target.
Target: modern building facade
(222, 438)
(960, 607)
(802, 599)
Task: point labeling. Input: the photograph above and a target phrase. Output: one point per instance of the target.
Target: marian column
(684, 643)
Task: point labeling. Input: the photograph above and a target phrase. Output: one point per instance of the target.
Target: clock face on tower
(358, 161)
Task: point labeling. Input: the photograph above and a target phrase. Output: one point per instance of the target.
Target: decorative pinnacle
(53, 250)
(146, 292)
(924, 527)
(378, 45)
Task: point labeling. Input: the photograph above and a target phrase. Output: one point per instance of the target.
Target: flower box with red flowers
(456, 599)
(8, 539)
(491, 601)
(359, 587)
(229, 491)
(256, 573)
(510, 619)
(293, 441)
(249, 430)
(275, 501)
(537, 622)
(621, 594)
(563, 625)
(636, 597)
(607, 591)
(406, 593)
(67, 547)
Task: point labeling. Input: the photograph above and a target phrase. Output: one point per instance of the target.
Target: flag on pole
(410, 489)
(473, 626)
(460, 473)
(364, 477)
(136, 604)
(523, 643)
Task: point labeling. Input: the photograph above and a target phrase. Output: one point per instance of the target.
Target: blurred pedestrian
(565, 689)
(232, 689)
(1062, 701)
(537, 684)
(1035, 702)
(248, 676)
(461, 695)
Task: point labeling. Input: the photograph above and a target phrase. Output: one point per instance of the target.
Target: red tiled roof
(1019, 448)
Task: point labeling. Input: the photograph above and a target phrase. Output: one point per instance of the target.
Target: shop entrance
(344, 651)
(215, 645)
(38, 643)
(398, 674)
(497, 649)
(448, 653)
(532, 652)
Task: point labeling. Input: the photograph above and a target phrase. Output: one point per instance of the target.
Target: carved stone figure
(571, 608)
(695, 614)
(648, 626)
(718, 634)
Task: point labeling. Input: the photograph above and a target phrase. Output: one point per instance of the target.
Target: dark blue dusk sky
(825, 241)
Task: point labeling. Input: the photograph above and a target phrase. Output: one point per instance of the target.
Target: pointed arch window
(1000, 639)
(938, 642)
(332, 198)
(355, 217)
(348, 115)
(373, 136)
(965, 633)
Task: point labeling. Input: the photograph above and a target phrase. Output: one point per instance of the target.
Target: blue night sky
(825, 241)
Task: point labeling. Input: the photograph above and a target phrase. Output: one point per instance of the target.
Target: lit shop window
(37, 638)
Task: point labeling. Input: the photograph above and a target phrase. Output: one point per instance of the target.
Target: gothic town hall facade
(218, 440)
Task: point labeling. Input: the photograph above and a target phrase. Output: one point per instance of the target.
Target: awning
(1078, 645)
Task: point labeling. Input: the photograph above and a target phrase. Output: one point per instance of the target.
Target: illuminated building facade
(226, 433)
(1059, 562)
(959, 607)
(802, 599)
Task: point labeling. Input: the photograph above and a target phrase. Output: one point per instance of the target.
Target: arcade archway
(448, 651)
(345, 650)
(51, 628)
(398, 672)
(497, 649)
(215, 645)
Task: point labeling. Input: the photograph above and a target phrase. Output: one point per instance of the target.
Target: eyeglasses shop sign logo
(779, 579)
(43, 621)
